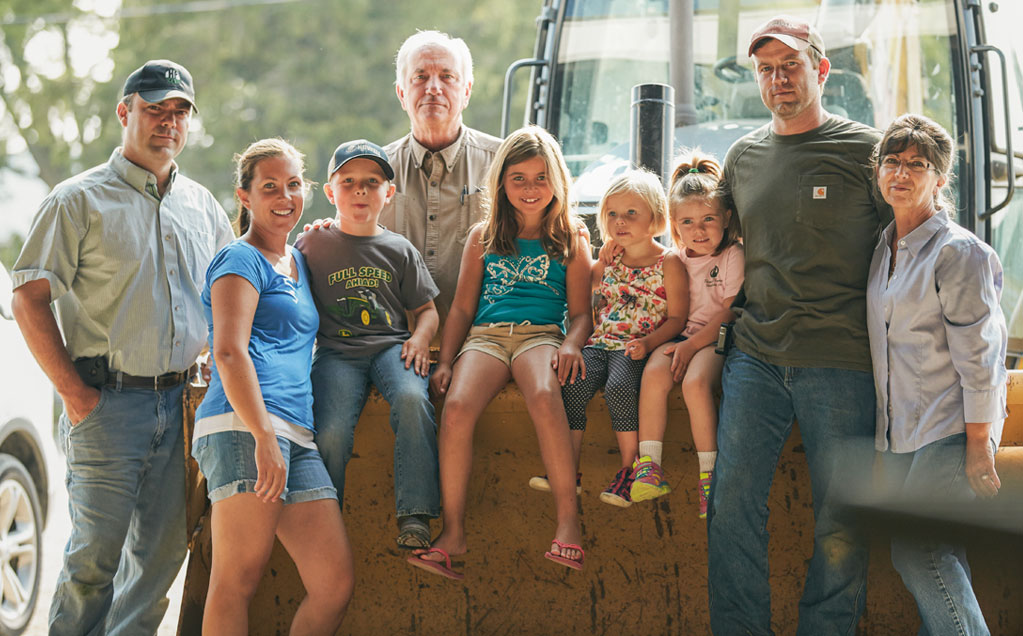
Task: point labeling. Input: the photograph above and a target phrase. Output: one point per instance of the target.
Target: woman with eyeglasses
(937, 340)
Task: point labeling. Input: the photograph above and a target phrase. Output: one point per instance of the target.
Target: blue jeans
(228, 461)
(935, 571)
(126, 494)
(835, 409)
(340, 387)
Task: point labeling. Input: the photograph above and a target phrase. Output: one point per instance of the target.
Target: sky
(20, 197)
(20, 192)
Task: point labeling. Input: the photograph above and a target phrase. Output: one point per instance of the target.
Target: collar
(919, 237)
(449, 154)
(138, 177)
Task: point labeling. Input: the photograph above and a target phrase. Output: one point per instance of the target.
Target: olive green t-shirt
(810, 218)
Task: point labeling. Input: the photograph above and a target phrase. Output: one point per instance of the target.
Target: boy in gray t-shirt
(364, 279)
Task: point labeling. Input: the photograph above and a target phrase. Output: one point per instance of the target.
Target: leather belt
(156, 383)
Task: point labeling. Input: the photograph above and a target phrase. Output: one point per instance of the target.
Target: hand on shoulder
(318, 224)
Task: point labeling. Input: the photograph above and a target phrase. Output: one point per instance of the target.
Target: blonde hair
(697, 174)
(245, 163)
(500, 227)
(647, 186)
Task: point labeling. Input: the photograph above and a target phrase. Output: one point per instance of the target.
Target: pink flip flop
(567, 562)
(435, 567)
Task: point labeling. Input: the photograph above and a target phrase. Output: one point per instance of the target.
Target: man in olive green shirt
(802, 188)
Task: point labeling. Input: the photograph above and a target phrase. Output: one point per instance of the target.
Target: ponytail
(242, 221)
(697, 174)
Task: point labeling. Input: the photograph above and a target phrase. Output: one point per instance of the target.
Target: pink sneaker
(617, 494)
(649, 482)
(705, 492)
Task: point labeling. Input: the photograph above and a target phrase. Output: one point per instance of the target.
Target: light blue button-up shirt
(937, 336)
(126, 267)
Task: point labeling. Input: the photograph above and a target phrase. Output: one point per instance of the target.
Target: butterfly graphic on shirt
(507, 272)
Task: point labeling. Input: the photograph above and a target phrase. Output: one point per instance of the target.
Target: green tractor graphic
(363, 309)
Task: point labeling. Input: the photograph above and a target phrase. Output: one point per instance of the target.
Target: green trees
(316, 72)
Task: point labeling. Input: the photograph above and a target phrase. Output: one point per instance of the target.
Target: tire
(21, 529)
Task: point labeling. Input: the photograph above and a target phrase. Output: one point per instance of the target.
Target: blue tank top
(526, 287)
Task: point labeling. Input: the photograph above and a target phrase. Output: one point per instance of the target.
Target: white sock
(707, 459)
(651, 449)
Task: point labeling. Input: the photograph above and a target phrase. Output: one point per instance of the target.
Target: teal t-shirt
(525, 287)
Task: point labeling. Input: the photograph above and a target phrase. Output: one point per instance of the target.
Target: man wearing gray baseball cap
(122, 250)
(802, 188)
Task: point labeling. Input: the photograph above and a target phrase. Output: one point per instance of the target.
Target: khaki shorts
(508, 340)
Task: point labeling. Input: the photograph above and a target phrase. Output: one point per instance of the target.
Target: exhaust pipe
(652, 129)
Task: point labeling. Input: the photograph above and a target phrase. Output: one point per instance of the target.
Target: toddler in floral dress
(643, 302)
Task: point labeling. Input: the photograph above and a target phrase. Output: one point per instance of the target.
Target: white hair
(432, 39)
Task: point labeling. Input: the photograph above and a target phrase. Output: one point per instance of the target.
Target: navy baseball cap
(157, 80)
(359, 149)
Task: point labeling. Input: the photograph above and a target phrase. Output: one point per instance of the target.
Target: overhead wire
(197, 6)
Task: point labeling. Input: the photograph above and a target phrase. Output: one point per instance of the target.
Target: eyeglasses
(891, 163)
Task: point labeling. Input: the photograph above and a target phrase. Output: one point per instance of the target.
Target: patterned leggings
(620, 377)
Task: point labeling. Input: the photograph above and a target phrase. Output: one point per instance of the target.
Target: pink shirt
(712, 279)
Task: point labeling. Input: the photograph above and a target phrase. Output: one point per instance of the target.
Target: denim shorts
(508, 340)
(228, 460)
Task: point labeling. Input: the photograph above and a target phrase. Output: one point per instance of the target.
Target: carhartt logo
(820, 192)
(173, 76)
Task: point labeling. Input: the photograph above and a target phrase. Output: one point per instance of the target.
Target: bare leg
(314, 536)
(535, 378)
(653, 396)
(628, 444)
(577, 446)
(702, 377)
(243, 535)
(476, 379)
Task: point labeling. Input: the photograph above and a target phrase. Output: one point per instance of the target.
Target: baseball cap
(359, 149)
(157, 80)
(792, 32)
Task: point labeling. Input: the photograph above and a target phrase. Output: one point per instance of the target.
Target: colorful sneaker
(648, 481)
(617, 494)
(540, 483)
(704, 492)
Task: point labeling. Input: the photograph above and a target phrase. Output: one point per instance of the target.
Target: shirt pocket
(198, 247)
(473, 211)
(819, 201)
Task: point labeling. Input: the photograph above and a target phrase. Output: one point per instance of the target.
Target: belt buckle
(156, 383)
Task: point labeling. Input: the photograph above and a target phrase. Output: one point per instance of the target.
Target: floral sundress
(632, 303)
